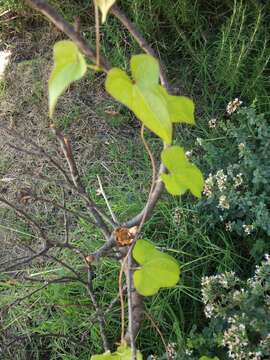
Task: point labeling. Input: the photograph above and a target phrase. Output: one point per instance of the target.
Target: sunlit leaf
(69, 66)
(142, 94)
(151, 108)
(157, 269)
(123, 352)
(183, 175)
(181, 108)
(119, 85)
(144, 70)
(106, 356)
(104, 6)
(208, 358)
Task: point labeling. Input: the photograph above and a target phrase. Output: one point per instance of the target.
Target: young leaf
(144, 70)
(143, 95)
(119, 85)
(105, 356)
(157, 269)
(123, 352)
(181, 108)
(104, 6)
(150, 107)
(69, 66)
(182, 174)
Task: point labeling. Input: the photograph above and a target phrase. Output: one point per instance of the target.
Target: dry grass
(85, 114)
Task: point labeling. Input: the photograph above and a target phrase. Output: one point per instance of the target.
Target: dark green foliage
(240, 316)
(237, 189)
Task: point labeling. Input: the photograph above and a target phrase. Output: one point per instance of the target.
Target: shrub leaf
(123, 352)
(104, 6)
(69, 66)
(158, 270)
(142, 95)
(183, 175)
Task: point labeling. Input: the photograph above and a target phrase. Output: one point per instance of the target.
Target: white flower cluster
(238, 180)
(208, 186)
(229, 226)
(241, 148)
(212, 123)
(199, 141)
(233, 106)
(189, 154)
(209, 284)
(171, 350)
(248, 229)
(221, 180)
(235, 338)
(223, 202)
(178, 212)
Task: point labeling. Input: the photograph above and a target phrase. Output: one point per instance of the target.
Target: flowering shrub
(237, 188)
(240, 316)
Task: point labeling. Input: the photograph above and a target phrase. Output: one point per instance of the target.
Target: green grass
(174, 228)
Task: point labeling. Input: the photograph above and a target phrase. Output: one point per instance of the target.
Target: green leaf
(144, 70)
(123, 352)
(150, 107)
(69, 66)
(119, 86)
(142, 95)
(158, 270)
(181, 108)
(183, 175)
(104, 6)
(208, 358)
(106, 356)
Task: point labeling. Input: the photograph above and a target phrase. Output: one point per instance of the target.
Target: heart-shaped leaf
(181, 108)
(144, 70)
(158, 270)
(69, 66)
(105, 356)
(119, 85)
(142, 95)
(183, 175)
(123, 352)
(104, 6)
(150, 107)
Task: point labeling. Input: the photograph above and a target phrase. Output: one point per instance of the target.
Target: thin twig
(104, 249)
(28, 219)
(121, 16)
(154, 172)
(121, 297)
(130, 289)
(158, 331)
(100, 316)
(97, 35)
(27, 260)
(76, 214)
(66, 222)
(129, 258)
(107, 202)
(52, 15)
(46, 283)
(91, 206)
